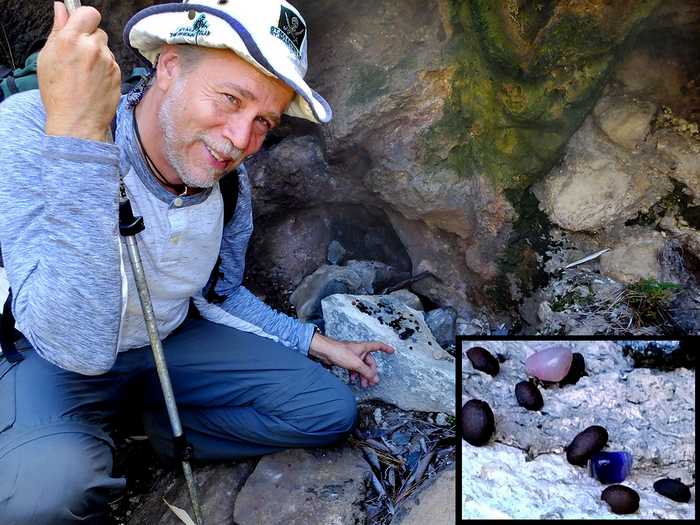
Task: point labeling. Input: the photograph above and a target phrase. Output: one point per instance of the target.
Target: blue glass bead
(611, 467)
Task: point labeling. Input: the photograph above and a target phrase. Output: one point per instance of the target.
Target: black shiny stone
(585, 444)
(673, 489)
(576, 372)
(622, 500)
(528, 396)
(478, 422)
(483, 361)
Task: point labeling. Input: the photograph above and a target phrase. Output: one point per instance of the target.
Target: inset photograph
(577, 429)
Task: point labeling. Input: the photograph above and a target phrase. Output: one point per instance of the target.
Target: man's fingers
(60, 16)
(372, 363)
(376, 346)
(84, 21)
(366, 372)
(101, 37)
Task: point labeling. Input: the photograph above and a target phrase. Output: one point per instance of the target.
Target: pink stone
(551, 364)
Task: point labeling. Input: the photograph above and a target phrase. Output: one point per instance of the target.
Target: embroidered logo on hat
(290, 29)
(200, 27)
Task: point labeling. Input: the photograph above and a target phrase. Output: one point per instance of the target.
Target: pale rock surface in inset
(419, 375)
(500, 481)
(305, 487)
(523, 473)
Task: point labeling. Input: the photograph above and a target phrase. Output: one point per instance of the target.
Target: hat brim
(145, 38)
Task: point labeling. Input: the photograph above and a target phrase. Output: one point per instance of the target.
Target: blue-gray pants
(238, 395)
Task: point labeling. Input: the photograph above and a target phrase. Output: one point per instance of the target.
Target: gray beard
(174, 155)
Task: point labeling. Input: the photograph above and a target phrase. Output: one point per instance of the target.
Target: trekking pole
(129, 226)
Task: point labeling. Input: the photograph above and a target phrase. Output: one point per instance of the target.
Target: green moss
(369, 83)
(650, 299)
(525, 78)
(571, 299)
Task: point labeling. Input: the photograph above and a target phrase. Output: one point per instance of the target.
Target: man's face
(216, 114)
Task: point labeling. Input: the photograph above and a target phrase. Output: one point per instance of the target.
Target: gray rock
(408, 298)
(304, 487)
(217, 486)
(471, 326)
(435, 504)
(686, 310)
(600, 183)
(336, 252)
(523, 473)
(325, 281)
(624, 119)
(419, 375)
(442, 322)
(636, 257)
(685, 152)
(363, 277)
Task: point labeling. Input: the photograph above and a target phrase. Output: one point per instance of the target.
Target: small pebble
(576, 372)
(673, 489)
(551, 364)
(478, 422)
(483, 361)
(528, 396)
(585, 444)
(621, 499)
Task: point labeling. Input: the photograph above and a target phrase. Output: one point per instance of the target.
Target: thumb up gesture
(79, 79)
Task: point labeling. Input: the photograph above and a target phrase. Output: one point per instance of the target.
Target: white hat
(270, 34)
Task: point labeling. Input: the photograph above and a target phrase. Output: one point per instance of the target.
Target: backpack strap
(8, 333)
(228, 185)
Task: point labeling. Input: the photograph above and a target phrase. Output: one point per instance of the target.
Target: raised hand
(79, 79)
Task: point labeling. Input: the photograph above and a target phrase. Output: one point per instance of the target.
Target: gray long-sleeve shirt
(64, 257)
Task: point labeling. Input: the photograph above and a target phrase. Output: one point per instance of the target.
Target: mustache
(225, 148)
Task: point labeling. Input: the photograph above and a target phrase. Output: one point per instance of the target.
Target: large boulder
(305, 487)
(638, 257)
(419, 375)
(600, 184)
(434, 504)
(217, 489)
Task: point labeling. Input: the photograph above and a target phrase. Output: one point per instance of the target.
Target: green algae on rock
(526, 75)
